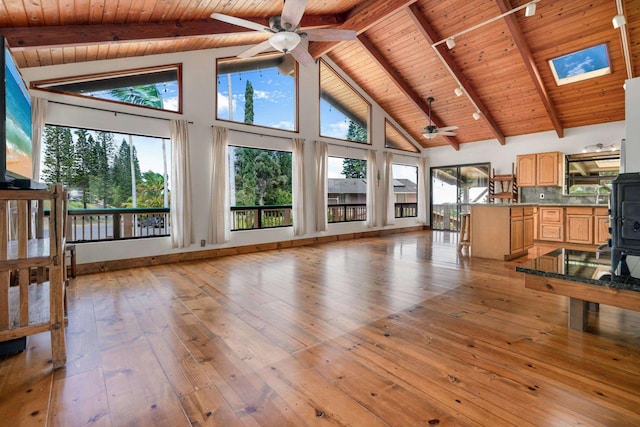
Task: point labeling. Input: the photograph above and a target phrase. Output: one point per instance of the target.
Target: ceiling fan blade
(447, 133)
(446, 128)
(240, 22)
(254, 50)
(301, 54)
(292, 13)
(328, 35)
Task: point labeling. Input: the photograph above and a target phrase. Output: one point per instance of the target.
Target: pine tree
(356, 132)
(248, 103)
(121, 172)
(58, 155)
(352, 168)
(101, 175)
(82, 165)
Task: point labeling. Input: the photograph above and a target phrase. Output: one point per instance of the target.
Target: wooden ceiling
(503, 65)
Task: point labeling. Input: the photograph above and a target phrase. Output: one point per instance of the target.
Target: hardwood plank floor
(399, 330)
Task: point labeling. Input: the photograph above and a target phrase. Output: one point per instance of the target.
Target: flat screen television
(16, 168)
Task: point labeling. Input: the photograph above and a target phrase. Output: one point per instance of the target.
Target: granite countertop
(579, 266)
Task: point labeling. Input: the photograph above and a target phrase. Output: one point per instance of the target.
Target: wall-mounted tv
(15, 125)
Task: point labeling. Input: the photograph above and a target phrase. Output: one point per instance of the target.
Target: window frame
(354, 91)
(416, 193)
(560, 81)
(45, 85)
(296, 97)
(387, 122)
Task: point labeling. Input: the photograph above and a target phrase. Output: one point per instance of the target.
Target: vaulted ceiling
(502, 66)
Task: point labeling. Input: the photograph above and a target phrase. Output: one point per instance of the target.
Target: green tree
(121, 173)
(102, 155)
(352, 168)
(147, 95)
(59, 155)
(82, 165)
(356, 132)
(151, 190)
(248, 103)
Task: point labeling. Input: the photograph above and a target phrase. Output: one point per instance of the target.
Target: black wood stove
(625, 222)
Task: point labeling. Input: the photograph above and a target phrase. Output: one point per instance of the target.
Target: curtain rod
(112, 111)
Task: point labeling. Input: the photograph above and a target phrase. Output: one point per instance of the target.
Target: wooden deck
(399, 330)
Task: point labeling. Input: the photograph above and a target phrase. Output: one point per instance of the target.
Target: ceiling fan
(286, 36)
(433, 131)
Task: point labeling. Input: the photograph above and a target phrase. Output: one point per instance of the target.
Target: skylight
(581, 65)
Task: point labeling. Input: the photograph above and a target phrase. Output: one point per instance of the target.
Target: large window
(347, 189)
(117, 183)
(590, 174)
(260, 188)
(393, 138)
(405, 190)
(259, 91)
(344, 113)
(453, 190)
(581, 65)
(157, 87)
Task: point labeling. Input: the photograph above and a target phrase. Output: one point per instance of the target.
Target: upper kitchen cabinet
(539, 169)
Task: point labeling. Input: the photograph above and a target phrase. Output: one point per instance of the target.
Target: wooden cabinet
(526, 170)
(579, 225)
(539, 169)
(551, 221)
(501, 232)
(601, 226)
(584, 225)
(549, 166)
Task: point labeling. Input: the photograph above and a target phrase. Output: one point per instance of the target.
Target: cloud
(223, 103)
(336, 130)
(582, 67)
(283, 124)
(170, 104)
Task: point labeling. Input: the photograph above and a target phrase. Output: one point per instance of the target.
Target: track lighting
(476, 115)
(618, 21)
(451, 43)
(458, 91)
(530, 10)
(598, 148)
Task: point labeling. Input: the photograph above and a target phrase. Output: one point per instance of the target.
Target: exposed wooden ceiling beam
(430, 35)
(78, 35)
(530, 65)
(360, 19)
(403, 85)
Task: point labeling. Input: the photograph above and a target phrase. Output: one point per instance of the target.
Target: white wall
(632, 110)
(199, 96)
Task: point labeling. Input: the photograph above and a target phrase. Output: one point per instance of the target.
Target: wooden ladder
(503, 187)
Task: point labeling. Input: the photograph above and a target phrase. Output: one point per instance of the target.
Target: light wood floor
(397, 330)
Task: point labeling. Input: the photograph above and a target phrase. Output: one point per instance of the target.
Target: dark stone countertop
(579, 266)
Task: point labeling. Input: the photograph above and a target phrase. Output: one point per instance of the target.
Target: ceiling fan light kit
(285, 34)
(284, 41)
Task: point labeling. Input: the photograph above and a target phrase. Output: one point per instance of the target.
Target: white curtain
(219, 209)
(423, 209)
(299, 224)
(389, 195)
(181, 231)
(38, 119)
(322, 154)
(371, 188)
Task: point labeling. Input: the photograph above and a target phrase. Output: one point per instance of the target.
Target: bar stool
(465, 232)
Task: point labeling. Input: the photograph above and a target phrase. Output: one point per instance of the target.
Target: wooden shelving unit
(503, 188)
(32, 267)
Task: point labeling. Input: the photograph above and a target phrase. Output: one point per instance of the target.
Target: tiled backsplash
(553, 195)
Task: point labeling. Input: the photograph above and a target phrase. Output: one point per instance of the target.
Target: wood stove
(625, 222)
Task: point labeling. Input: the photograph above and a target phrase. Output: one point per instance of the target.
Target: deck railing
(95, 225)
(256, 217)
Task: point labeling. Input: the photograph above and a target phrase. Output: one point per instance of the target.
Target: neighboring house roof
(359, 186)
(404, 186)
(347, 185)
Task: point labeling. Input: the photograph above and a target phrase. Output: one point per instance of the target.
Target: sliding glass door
(453, 189)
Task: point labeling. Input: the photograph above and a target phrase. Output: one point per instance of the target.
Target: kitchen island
(583, 276)
(501, 231)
